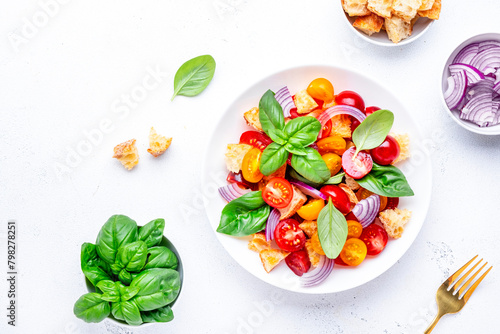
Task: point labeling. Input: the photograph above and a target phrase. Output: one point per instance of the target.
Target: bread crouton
(309, 227)
(352, 183)
(234, 156)
(350, 194)
(158, 144)
(381, 7)
(397, 28)
(252, 118)
(127, 154)
(271, 258)
(406, 9)
(296, 203)
(355, 7)
(432, 13)
(426, 4)
(404, 146)
(369, 24)
(258, 242)
(330, 104)
(304, 102)
(341, 126)
(394, 221)
(313, 256)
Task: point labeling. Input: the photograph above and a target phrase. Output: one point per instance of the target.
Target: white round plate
(232, 124)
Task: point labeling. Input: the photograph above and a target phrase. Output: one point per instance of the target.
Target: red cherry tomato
(238, 178)
(375, 238)
(278, 193)
(256, 139)
(351, 216)
(339, 261)
(338, 196)
(360, 166)
(288, 235)
(387, 152)
(392, 203)
(350, 98)
(354, 124)
(327, 129)
(371, 110)
(298, 262)
(294, 113)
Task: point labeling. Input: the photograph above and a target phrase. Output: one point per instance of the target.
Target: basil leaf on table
(386, 181)
(152, 232)
(245, 215)
(164, 314)
(132, 257)
(128, 312)
(311, 166)
(158, 287)
(273, 157)
(298, 177)
(91, 308)
(161, 257)
(302, 131)
(93, 267)
(194, 76)
(332, 230)
(336, 179)
(298, 150)
(373, 130)
(117, 231)
(270, 113)
(278, 136)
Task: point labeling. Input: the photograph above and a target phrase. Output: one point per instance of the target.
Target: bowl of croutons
(390, 22)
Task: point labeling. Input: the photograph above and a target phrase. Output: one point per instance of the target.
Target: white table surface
(69, 76)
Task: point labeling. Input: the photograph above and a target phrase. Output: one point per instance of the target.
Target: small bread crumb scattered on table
(158, 144)
(127, 154)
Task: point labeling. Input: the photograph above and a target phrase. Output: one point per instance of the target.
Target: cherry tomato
(371, 110)
(333, 162)
(358, 167)
(392, 203)
(387, 152)
(327, 129)
(354, 229)
(339, 261)
(311, 210)
(256, 139)
(350, 98)
(351, 216)
(238, 178)
(365, 193)
(332, 144)
(250, 166)
(354, 252)
(298, 262)
(339, 198)
(288, 235)
(375, 238)
(354, 124)
(278, 193)
(321, 89)
(316, 244)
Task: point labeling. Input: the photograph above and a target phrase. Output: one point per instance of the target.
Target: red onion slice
(496, 87)
(479, 110)
(488, 45)
(496, 106)
(367, 210)
(232, 191)
(340, 110)
(466, 54)
(488, 60)
(284, 98)
(272, 221)
(473, 74)
(457, 86)
(318, 275)
(308, 190)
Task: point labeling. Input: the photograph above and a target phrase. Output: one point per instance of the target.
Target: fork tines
(465, 289)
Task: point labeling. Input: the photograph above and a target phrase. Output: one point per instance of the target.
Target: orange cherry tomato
(354, 229)
(316, 244)
(321, 89)
(332, 144)
(354, 252)
(333, 162)
(250, 166)
(311, 210)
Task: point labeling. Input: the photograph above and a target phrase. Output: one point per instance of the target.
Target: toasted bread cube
(341, 126)
(271, 258)
(352, 183)
(313, 256)
(350, 194)
(304, 102)
(309, 227)
(406, 9)
(397, 28)
(381, 7)
(127, 154)
(234, 156)
(404, 146)
(369, 24)
(432, 13)
(355, 7)
(259, 243)
(426, 4)
(158, 144)
(394, 221)
(296, 203)
(252, 118)
(330, 104)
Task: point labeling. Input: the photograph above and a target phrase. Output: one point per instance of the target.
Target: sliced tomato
(339, 261)
(288, 235)
(278, 193)
(392, 203)
(238, 178)
(298, 262)
(354, 252)
(375, 238)
(250, 166)
(356, 167)
(327, 129)
(338, 196)
(351, 216)
(256, 139)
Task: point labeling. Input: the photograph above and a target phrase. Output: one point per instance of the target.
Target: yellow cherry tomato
(354, 229)
(354, 252)
(316, 244)
(321, 89)
(311, 210)
(250, 166)
(333, 162)
(332, 144)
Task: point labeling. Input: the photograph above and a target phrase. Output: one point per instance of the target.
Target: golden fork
(448, 300)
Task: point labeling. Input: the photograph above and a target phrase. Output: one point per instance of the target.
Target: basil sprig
(386, 181)
(332, 230)
(294, 138)
(373, 130)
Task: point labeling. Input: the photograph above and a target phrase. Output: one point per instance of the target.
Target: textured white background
(64, 80)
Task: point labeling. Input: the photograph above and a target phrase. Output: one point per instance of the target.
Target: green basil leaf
(373, 130)
(278, 136)
(298, 177)
(111, 292)
(128, 312)
(128, 292)
(117, 231)
(194, 76)
(245, 215)
(158, 287)
(125, 277)
(93, 267)
(152, 232)
(270, 113)
(311, 166)
(273, 157)
(164, 314)
(161, 257)
(91, 308)
(336, 179)
(298, 150)
(386, 181)
(132, 256)
(332, 230)
(302, 131)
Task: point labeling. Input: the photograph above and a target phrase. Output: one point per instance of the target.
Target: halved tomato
(298, 262)
(288, 235)
(278, 193)
(354, 252)
(256, 139)
(356, 167)
(250, 166)
(392, 202)
(338, 196)
(375, 238)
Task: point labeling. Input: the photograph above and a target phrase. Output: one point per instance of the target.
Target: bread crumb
(158, 144)
(127, 154)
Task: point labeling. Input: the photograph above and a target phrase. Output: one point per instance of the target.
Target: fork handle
(434, 323)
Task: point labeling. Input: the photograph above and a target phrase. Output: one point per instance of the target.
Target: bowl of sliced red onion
(471, 84)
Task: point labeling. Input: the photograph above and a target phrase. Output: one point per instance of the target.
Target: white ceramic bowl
(381, 39)
(491, 130)
(232, 124)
